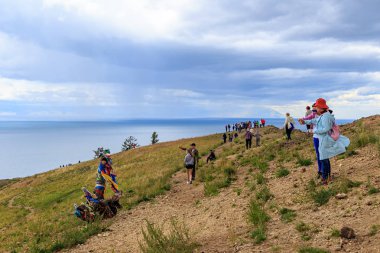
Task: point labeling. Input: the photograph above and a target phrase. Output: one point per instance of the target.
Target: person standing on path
(289, 126)
(195, 154)
(189, 165)
(224, 137)
(324, 129)
(248, 139)
(226, 128)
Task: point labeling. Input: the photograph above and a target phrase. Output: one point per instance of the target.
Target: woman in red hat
(327, 147)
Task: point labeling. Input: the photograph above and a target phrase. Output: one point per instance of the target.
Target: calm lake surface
(28, 148)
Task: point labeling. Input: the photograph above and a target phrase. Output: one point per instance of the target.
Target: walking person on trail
(307, 113)
(331, 142)
(229, 137)
(258, 137)
(289, 126)
(189, 165)
(315, 137)
(229, 128)
(224, 137)
(226, 128)
(195, 154)
(248, 139)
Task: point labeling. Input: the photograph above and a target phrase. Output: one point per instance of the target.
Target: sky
(110, 60)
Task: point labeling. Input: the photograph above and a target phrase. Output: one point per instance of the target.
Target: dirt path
(11, 205)
(214, 222)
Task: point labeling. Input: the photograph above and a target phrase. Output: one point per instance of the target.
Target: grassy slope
(36, 212)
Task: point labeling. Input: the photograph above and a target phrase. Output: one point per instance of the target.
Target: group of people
(239, 126)
(328, 142)
(319, 121)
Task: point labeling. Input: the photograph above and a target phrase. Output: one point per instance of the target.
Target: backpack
(291, 126)
(334, 132)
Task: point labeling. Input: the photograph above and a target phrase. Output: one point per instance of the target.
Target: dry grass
(40, 218)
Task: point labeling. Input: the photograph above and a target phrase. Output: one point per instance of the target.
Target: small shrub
(374, 229)
(287, 215)
(304, 162)
(177, 240)
(335, 233)
(302, 227)
(322, 196)
(260, 179)
(373, 190)
(282, 172)
(259, 235)
(264, 194)
(256, 214)
(312, 250)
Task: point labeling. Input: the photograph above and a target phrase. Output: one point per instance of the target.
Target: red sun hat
(321, 103)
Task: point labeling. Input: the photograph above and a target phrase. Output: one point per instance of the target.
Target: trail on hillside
(11, 205)
(219, 223)
(214, 222)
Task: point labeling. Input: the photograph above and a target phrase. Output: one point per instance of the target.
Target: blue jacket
(327, 146)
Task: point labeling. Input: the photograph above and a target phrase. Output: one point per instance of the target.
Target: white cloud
(40, 92)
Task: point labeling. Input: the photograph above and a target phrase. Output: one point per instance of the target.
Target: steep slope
(37, 211)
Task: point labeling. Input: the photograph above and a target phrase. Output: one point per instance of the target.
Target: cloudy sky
(119, 59)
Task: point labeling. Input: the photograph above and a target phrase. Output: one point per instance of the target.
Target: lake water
(28, 148)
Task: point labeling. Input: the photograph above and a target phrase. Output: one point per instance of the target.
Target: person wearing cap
(327, 146)
(289, 125)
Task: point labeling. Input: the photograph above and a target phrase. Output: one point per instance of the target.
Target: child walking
(189, 165)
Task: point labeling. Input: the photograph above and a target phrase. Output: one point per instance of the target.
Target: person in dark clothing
(226, 128)
(229, 137)
(229, 128)
(224, 137)
(211, 156)
(248, 139)
(236, 135)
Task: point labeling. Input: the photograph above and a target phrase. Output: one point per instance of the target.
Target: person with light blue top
(328, 147)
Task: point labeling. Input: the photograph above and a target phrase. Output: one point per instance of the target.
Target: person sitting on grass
(189, 165)
(211, 156)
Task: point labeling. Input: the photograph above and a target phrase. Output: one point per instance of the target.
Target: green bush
(176, 240)
(287, 215)
(264, 194)
(260, 179)
(335, 232)
(304, 162)
(259, 235)
(256, 214)
(322, 196)
(282, 172)
(258, 217)
(374, 230)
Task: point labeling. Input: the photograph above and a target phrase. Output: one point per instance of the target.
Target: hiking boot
(188, 182)
(191, 182)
